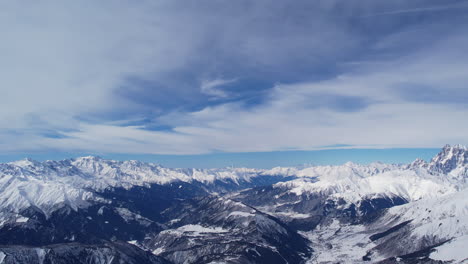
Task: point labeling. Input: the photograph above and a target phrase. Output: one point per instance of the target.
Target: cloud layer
(176, 77)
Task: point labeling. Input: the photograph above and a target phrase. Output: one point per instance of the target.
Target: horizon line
(264, 159)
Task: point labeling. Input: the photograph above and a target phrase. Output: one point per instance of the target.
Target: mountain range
(93, 210)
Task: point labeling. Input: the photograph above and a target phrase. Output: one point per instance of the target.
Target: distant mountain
(92, 210)
(451, 161)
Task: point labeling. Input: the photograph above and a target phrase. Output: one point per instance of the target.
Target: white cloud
(68, 58)
(290, 119)
(61, 61)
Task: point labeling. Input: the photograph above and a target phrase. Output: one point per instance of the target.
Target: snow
(348, 169)
(454, 250)
(241, 214)
(44, 184)
(198, 229)
(133, 242)
(407, 184)
(194, 230)
(436, 192)
(173, 221)
(439, 219)
(101, 210)
(335, 242)
(41, 253)
(292, 214)
(444, 217)
(22, 219)
(73, 182)
(128, 216)
(158, 251)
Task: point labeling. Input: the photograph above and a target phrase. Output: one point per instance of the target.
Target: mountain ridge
(343, 212)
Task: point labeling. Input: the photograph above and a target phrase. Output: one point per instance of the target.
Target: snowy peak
(418, 163)
(451, 161)
(27, 162)
(406, 184)
(449, 158)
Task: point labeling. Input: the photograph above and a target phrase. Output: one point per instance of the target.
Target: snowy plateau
(92, 210)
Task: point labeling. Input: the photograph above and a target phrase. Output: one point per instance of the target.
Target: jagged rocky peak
(418, 163)
(449, 158)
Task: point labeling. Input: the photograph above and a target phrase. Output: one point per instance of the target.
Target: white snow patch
(241, 214)
(133, 242)
(22, 219)
(454, 250)
(292, 215)
(101, 210)
(173, 221)
(2, 257)
(200, 229)
(41, 253)
(158, 251)
(407, 184)
(194, 230)
(445, 217)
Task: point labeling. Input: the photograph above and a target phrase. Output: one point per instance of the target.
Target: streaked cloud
(423, 9)
(157, 76)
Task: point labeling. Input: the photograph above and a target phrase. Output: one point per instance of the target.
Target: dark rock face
(75, 253)
(318, 207)
(88, 225)
(214, 228)
(129, 215)
(388, 231)
(152, 215)
(150, 201)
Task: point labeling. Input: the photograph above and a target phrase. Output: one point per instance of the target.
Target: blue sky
(262, 160)
(185, 80)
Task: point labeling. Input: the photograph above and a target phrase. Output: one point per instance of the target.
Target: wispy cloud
(421, 9)
(99, 77)
(214, 87)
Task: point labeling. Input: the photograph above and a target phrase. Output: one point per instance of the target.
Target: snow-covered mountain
(347, 213)
(452, 161)
(75, 182)
(348, 217)
(220, 230)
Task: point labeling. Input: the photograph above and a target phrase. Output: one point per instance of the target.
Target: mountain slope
(413, 213)
(74, 253)
(219, 229)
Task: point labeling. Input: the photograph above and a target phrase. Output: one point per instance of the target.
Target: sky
(210, 83)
